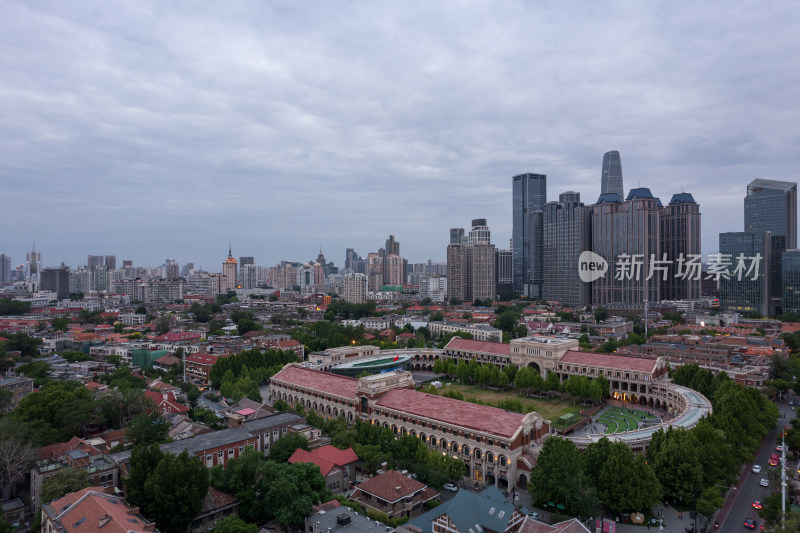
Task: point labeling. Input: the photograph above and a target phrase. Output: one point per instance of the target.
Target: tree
(148, 428)
(162, 325)
(16, 454)
(234, 524)
(558, 475)
(600, 315)
(286, 446)
(66, 481)
(627, 483)
(141, 310)
(179, 485)
(143, 462)
(60, 324)
(280, 405)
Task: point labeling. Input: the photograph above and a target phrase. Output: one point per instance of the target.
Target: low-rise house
(166, 402)
(216, 506)
(394, 494)
(336, 466)
(93, 509)
(469, 512)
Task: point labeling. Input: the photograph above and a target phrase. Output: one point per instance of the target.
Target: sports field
(549, 409)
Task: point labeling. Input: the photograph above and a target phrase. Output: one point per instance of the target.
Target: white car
(764, 482)
(778, 448)
(756, 469)
(450, 487)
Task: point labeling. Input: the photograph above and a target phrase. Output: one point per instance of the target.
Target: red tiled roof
(457, 343)
(455, 412)
(325, 458)
(167, 360)
(622, 362)
(180, 336)
(83, 511)
(321, 381)
(390, 486)
(60, 449)
(202, 358)
(288, 344)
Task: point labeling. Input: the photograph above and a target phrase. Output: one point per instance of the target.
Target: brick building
(394, 494)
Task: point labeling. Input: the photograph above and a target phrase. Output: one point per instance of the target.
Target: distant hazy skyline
(152, 130)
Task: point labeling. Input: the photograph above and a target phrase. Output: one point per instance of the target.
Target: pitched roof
(468, 509)
(498, 348)
(326, 458)
(622, 362)
(91, 509)
(455, 412)
(321, 381)
(390, 486)
(202, 358)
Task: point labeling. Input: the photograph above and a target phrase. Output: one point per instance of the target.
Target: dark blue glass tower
(529, 197)
(611, 176)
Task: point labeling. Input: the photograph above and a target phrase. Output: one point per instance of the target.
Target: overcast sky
(150, 130)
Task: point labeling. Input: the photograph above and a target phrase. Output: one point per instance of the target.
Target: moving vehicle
(756, 469)
(757, 504)
(450, 487)
(774, 459)
(764, 482)
(749, 523)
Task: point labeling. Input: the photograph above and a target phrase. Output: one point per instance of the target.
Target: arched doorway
(478, 474)
(535, 366)
(490, 479)
(502, 482)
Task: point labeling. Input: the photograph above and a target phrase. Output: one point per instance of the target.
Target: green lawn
(549, 409)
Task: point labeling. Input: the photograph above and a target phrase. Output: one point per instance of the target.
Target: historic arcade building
(491, 442)
(631, 379)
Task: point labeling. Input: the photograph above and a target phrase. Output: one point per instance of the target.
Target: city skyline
(152, 131)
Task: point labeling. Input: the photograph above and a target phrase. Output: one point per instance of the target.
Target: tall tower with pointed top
(33, 266)
(230, 268)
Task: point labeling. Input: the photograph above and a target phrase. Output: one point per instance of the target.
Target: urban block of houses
(336, 466)
(394, 494)
(19, 387)
(166, 402)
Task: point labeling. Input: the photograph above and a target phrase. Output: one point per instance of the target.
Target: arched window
(503, 461)
(477, 453)
(433, 440)
(465, 450)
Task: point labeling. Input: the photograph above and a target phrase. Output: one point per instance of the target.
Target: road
(739, 506)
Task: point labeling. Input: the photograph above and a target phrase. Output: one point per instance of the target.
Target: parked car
(756, 469)
(533, 514)
(764, 482)
(450, 487)
(355, 483)
(779, 448)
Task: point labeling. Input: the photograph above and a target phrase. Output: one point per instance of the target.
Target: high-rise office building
(56, 280)
(111, 262)
(503, 274)
(611, 175)
(171, 269)
(5, 268)
(746, 295)
(791, 281)
(680, 238)
(456, 235)
(529, 194)
(567, 234)
(627, 234)
(771, 205)
(374, 271)
(230, 270)
(33, 266)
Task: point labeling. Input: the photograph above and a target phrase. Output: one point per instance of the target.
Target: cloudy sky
(150, 130)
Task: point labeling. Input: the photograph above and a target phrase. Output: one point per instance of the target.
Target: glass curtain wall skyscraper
(529, 196)
(611, 176)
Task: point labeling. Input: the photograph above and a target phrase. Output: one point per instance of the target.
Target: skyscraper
(33, 266)
(5, 268)
(771, 205)
(230, 269)
(456, 235)
(746, 295)
(567, 233)
(95, 261)
(111, 262)
(626, 234)
(392, 246)
(471, 266)
(529, 194)
(680, 237)
(791, 281)
(611, 175)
